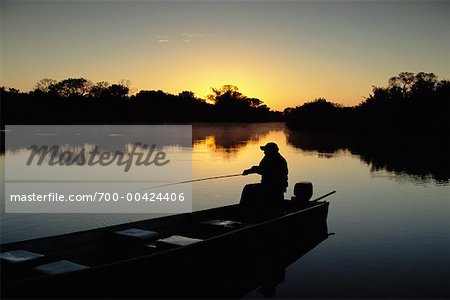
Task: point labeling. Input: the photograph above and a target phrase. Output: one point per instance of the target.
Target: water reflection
(238, 273)
(377, 221)
(228, 139)
(423, 159)
(106, 137)
(268, 272)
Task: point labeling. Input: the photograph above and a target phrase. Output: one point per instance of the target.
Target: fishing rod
(326, 195)
(187, 181)
(214, 177)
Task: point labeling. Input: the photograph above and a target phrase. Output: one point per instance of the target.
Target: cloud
(162, 39)
(184, 37)
(188, 37)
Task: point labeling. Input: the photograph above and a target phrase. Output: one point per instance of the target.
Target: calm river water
(390, 216)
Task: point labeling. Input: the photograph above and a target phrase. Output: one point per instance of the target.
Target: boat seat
(59, 267)
(137, 234)
(179, 240)
(20, 263)
(224, 223)
(20, 256)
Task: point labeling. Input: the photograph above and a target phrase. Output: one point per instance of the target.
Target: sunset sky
(284, 53)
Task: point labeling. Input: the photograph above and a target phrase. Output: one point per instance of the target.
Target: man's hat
(270, 147)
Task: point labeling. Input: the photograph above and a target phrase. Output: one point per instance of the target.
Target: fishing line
(187, 181)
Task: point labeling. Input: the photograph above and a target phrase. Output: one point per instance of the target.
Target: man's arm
(252, 170)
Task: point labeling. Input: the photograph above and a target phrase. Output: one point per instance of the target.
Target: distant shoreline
(410, 102)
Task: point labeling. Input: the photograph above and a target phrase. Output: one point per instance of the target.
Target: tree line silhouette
(410, 102)
(79, 101)
(421, 158)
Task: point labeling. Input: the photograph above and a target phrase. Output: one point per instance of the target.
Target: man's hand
(252, 170)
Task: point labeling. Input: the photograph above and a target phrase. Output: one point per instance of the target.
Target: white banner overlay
(98, 168)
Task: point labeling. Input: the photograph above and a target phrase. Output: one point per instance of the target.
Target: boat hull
(203, 269)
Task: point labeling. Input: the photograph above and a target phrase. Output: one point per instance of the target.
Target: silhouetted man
(268, 194)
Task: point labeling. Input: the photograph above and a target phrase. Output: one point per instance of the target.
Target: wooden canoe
(195, 254)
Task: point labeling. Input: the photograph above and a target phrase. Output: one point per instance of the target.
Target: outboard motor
(303, 192)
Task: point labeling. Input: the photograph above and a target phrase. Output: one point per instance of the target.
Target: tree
(406, 83)
(99, 89)
(319, 114)
(71, 87)
(232, 105)
(424, 83)
(44, 85)
(104, 90)
(253, 102)
(14, 91)
(403, 81)
(188, 95)
(118, 91)
(230, 95)
(226, 94)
